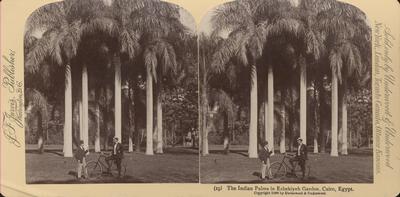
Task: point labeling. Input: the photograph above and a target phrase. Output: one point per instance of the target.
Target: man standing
(80, 156)
(301, 157)
(264, 157)
(116, 156)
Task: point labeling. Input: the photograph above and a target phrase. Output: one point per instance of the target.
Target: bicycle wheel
(277, 169)
(95, 169)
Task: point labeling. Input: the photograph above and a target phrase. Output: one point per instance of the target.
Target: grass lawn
(176, 165)
(236, 167)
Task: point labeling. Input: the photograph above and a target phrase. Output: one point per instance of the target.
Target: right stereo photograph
(285, 93)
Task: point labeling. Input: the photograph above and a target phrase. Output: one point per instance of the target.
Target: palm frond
(314, 44)
(286, 26)
(37, 99)
(223, 101)
(150, 61)
(129, 42)
(336, 63)
(158, 19)
(29, 42)
(352, 58)
(164, 55)
(46, 17)
(230, 16)
(40, 51)
(103, 25)
(233, 46)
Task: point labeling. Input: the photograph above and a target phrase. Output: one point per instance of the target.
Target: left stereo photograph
(111, 93)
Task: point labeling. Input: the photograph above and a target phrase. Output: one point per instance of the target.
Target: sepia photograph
(285, 93)
(111, 93)
(199, 98)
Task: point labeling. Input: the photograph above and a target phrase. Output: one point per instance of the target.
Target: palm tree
(345, 23)
(309, 49)
(206, 47)
(37, 107)
(35, 96)
(52, 19)
(222, 102)
(158, 22)
(283, 55)
(63, 22)
(245, 43)
(160, 59)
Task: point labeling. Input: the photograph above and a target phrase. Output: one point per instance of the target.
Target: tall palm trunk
(270, 116)
(131, 118)
(282, 143)
(205, 150)
(117, 96)
(159, 148)
(253, 152)
(136, 101)
(316, 119)
(40, 132)
(67, 147)
(226, 133)
(322, 111)
(149, 113)
(130, 143)
(265, 105)
(200, 86)
(303, 100)
(106, 131)
(344, 118)
(97, 139)
(138, 138)
(350, 140)
(204, 106)
(334, 143)
(291, 119)
(80, 115)
(85, 106)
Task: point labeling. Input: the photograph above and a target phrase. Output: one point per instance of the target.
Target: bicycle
(279, 168)
(95, 168)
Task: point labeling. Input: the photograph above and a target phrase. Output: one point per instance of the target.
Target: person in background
(264, 157)
(116, 156)
(80, 156)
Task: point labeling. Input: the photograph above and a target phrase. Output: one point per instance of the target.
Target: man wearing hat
(116, 156)
(80, 156)
(264, 157)
(300, 157)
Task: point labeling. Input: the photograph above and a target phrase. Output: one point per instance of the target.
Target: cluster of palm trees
(269, 46)
(289, 45)
(73, 45)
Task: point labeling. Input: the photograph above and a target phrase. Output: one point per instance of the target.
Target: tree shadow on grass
(125, 179)
(56, 152)
(223, 152)
(73, 173)
(181, 151)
